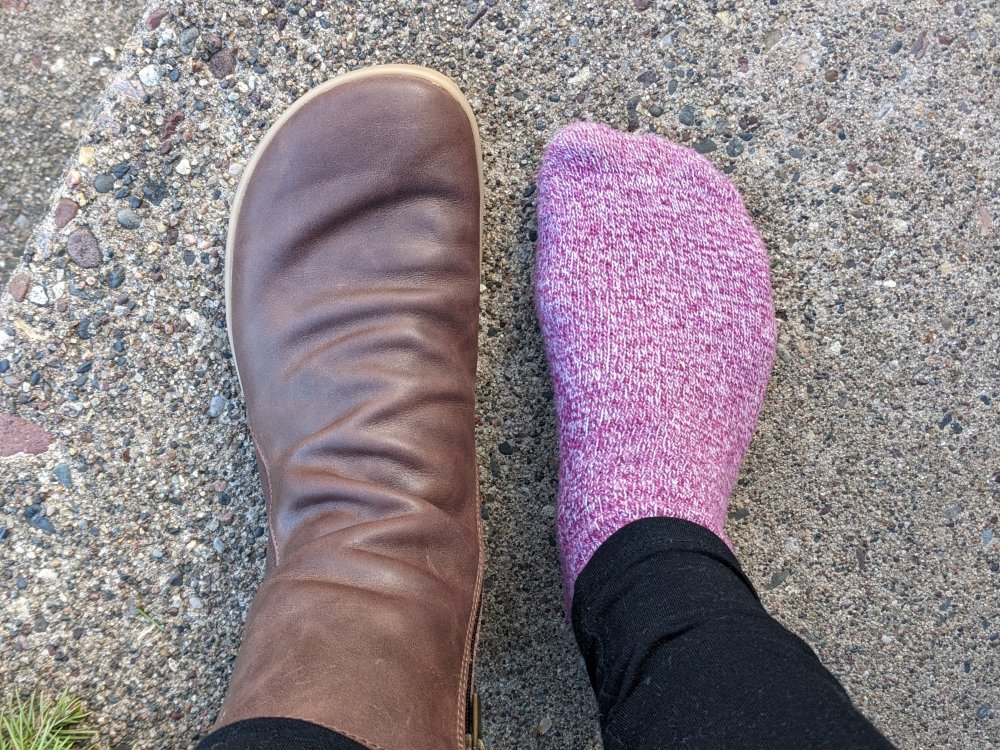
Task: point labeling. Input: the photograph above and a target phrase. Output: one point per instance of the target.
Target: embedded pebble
(82, 247)
(150, 75)
(705, 146)
(222, 63)
(19, 435)
(63, 474)
(216, 406)
(64, 213)
(155, 18)
(129, 219)
(187, 39)
(104, 183)
(42, 523)
(37, 295)
(18, 286)
(117, 277)
(86, 156)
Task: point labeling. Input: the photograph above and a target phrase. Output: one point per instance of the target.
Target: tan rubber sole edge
(414, 71)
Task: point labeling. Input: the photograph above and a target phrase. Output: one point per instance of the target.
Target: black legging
(680, 653)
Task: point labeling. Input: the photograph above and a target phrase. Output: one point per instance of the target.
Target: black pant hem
(276, 733)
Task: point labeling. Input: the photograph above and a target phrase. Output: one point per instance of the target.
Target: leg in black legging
(276, 734)
(681, 654)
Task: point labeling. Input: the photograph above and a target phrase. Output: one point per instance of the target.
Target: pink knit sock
(654, 294)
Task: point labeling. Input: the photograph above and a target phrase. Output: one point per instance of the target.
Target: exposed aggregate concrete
(864, 137)
(55, 57)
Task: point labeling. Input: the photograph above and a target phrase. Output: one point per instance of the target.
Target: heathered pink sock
(654, 294)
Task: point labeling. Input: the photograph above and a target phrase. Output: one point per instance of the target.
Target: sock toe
(653, 292)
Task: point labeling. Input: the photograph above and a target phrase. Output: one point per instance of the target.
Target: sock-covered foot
(654, 294)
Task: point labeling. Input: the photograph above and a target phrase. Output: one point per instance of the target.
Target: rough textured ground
(55, 56)
(864, 135)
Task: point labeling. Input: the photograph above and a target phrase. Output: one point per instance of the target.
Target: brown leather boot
(353, 304)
